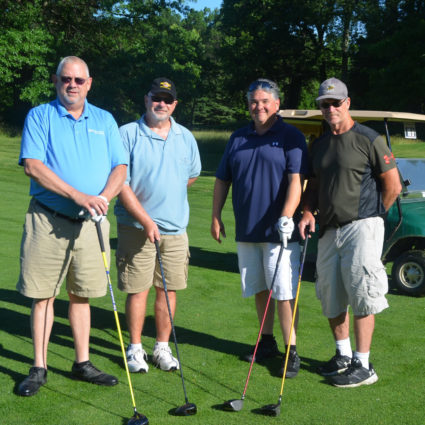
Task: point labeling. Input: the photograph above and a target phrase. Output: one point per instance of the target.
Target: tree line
(375, 46)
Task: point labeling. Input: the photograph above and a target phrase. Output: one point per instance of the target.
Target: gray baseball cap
(332, 88)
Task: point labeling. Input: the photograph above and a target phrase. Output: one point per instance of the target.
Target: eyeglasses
(261, 84)
(334, 103)
(166, 100)
(79, 81)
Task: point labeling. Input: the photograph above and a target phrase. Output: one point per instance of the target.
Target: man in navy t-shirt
(265, 163)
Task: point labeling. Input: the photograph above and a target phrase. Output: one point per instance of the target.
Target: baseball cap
(332, 88)
(163, 85)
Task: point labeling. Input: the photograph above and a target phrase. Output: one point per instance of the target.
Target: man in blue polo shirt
(153, 206)
(265, 163)
(73, 154)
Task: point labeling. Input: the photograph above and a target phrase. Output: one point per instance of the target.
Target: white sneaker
(136, 360)
(164, 359)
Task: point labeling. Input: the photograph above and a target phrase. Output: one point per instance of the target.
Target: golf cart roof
(360, 116)
(310, 121)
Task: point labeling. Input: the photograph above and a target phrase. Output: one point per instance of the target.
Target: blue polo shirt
(258, 168)
(81, 152)
(158, 174)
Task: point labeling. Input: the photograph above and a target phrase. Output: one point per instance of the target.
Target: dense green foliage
(212, 55)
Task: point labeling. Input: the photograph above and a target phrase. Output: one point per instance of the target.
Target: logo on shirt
(101, 132)
(388, 159)
(275, 143)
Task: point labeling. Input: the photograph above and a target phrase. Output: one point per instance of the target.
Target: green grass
(214, 327)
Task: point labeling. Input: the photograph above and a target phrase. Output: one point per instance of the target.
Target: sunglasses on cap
(79, 81)
(166, 100)
(261, 84)
(334, 103)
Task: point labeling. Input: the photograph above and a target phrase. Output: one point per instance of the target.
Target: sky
(201, 4)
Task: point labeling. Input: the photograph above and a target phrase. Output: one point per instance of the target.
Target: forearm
(115, 182)
(130, 202)
(293, 195)
(391, 187)
(45, 177)
(221, 190)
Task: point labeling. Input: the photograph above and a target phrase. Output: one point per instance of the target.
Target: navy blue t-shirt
(258, 168)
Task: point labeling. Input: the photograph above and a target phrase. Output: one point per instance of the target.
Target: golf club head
(187, 409)
(233, 405)
(271, 409)
(138, 419)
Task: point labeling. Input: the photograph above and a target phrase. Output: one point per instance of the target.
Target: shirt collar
(63, 112)
(278, 124)
(175, 129)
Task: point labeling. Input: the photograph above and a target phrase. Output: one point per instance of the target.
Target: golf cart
(404, 243)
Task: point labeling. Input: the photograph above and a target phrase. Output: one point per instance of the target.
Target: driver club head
(233, 405)
(187, 409)
(271, 409)
(138, 419)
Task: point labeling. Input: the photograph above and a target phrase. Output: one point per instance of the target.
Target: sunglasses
(159, 99)
(261, 84)
(79, 81)
(335, 104)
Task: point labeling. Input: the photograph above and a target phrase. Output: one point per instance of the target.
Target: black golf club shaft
(158, 253)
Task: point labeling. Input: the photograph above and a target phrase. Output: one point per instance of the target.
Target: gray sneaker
(164, 359)
(355, 376)
(336, 365)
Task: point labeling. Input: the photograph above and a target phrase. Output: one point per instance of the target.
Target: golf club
(237, 404)
(188, 408)
(137, 418)
(274, 409)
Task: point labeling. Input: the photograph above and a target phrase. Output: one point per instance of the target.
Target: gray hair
(71, 59)
(264, 84)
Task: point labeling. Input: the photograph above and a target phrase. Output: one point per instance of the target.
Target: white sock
(344, 347)
(159, 344)
(363, 357)
(133, 347)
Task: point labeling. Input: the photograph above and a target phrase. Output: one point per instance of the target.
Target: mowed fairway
(214, 326)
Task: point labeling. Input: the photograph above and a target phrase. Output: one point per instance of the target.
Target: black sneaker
(336, 365)
(32, 383)
(293, 365)
(265, 350)
(355, 376)
(85, 371)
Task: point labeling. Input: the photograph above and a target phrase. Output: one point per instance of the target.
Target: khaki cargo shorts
(137, 266)
(55, 248)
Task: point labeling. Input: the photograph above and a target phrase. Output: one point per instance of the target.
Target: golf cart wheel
(409, 273)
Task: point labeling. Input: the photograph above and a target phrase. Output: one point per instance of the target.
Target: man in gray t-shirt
(353, 182)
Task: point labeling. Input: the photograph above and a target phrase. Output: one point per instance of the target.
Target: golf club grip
(100, 236)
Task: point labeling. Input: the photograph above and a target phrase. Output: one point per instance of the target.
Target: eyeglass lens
(79, 81)
(166, 100)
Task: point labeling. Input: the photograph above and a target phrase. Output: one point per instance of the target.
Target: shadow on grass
(17, 324)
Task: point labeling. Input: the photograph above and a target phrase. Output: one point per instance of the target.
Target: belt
(338, 225)
(58, 214)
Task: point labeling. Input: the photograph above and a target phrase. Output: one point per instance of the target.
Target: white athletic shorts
(257, 265)
(350, 270)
